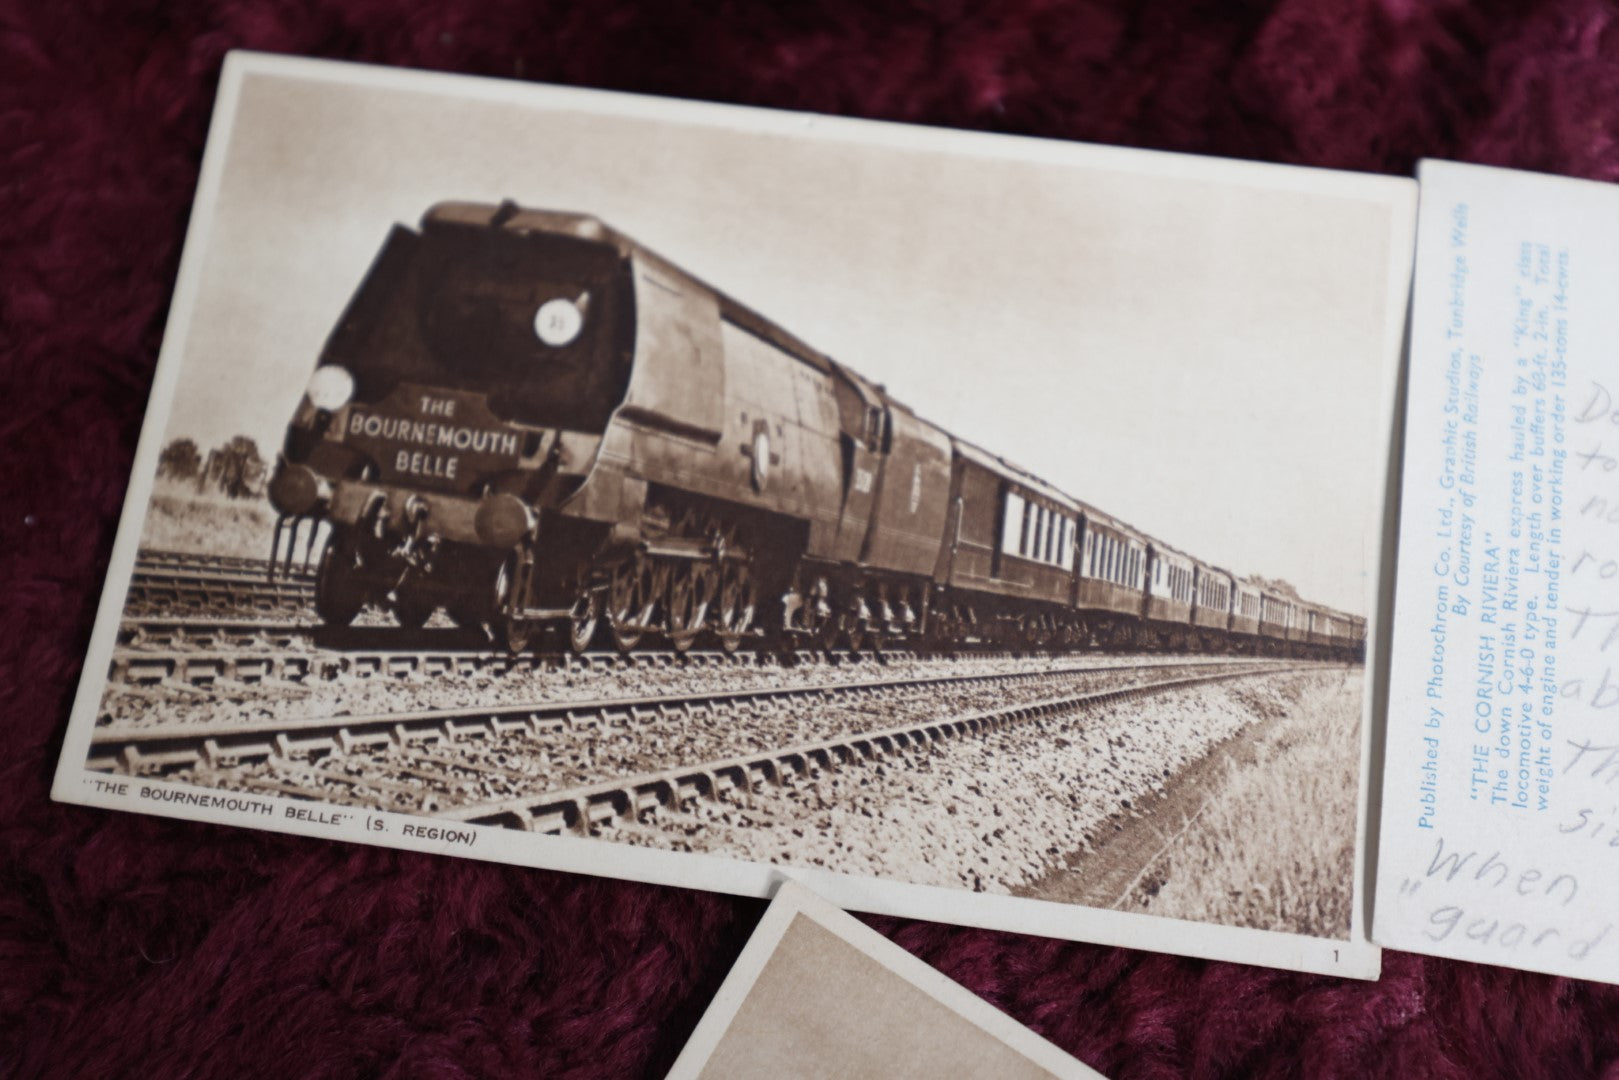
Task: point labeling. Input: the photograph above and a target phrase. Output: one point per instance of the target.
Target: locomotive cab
(461, 396)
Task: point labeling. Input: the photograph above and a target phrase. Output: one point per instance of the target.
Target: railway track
(168, 589)
(542, 766)
(585, 808)
(202, 651)
(231, 653)
(158, 559)
(153, 632)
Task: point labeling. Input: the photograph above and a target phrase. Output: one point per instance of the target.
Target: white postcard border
(1355, 957)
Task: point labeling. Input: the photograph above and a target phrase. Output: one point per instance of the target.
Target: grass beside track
(211, 523)
(1274, 846)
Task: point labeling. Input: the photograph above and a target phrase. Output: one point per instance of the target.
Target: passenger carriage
(1170, 586)
(1246, 609)
(1008, 557)
(1214, 593)
(1110, 578)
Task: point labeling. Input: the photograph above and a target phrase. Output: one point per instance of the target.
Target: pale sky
(1199, 356)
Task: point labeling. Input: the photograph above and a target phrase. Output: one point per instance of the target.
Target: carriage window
(1012, 527)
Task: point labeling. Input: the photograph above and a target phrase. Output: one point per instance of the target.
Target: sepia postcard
(975, 528)
(816, 993)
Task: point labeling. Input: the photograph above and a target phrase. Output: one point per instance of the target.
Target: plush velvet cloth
(137, 946)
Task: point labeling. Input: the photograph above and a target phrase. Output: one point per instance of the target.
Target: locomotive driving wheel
(823, 629)
(691, 589)
(852, 631)
(735, 606)
(583, 615)
(510, 630)
(626, 600)
(339, 588)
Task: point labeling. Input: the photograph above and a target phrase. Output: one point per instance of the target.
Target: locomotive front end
(460, 399)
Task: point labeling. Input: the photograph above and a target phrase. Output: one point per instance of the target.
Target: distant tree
(1277, 585)
(180, 460)
(240, 468)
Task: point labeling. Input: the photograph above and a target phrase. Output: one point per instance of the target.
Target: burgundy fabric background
(139, 946)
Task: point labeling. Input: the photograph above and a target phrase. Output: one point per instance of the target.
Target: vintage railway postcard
(1498, 809)
(974, 528)
(817, 993)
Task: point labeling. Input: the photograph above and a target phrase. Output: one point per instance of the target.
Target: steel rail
(202, 666)
(192, 590)
(157, 558)
(243, 658)
(172, 630)
(146, 749)
(580, 809)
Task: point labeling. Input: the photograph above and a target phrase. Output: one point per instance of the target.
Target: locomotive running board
(677, 547)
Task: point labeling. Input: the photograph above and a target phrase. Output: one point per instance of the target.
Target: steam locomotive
(528, 419)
